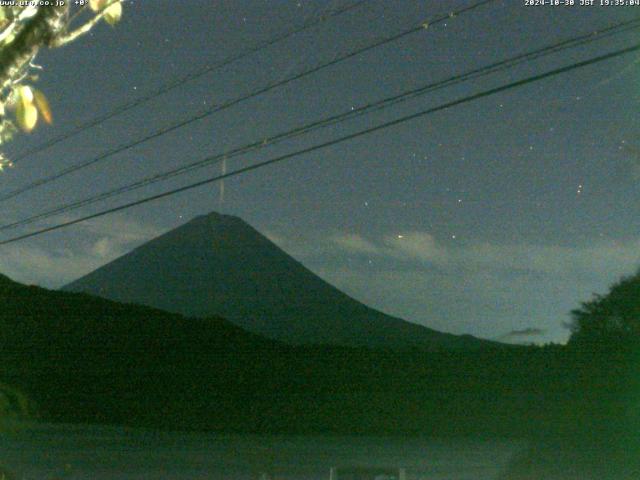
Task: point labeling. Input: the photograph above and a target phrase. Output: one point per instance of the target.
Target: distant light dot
(400, 236)
(453, 236)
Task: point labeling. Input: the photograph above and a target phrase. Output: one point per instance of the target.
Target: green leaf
(25, 94)
(42, 104)
(97, 5)
(27, 116)
(113, 13)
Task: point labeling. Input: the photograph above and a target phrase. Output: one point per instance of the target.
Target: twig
(70, 37)
(41, 30)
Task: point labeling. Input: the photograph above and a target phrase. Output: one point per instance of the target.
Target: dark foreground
(42, 452)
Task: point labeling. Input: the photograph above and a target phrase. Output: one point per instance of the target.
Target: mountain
(219, 265)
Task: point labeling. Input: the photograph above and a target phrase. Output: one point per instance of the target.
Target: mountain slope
(218, 265)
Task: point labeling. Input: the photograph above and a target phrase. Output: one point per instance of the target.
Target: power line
(231, 103)
(398, 121)
(347, 115)
(189, 77)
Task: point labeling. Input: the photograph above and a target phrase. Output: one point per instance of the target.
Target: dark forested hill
(86, 359)
(83, 357)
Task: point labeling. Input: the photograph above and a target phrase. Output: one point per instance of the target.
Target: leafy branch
(24, 31)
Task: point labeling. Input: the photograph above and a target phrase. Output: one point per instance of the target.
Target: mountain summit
(219, 265)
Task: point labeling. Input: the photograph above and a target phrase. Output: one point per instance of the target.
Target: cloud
(354, 243)
(99, 241)
(103, 248)
(599, 257)
(298, 246)
(34, 265)
(116, 235)
(416, 246)
(612, 258)
(120, 229)
(524, 333)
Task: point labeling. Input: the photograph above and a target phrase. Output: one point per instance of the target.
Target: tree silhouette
(611, 320)
(605, 347)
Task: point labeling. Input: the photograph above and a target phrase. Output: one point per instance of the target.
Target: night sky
(494, 218)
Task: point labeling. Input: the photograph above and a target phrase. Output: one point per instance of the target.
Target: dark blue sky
(493, 217)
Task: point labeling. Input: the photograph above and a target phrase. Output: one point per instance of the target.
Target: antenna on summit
(224, 171)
